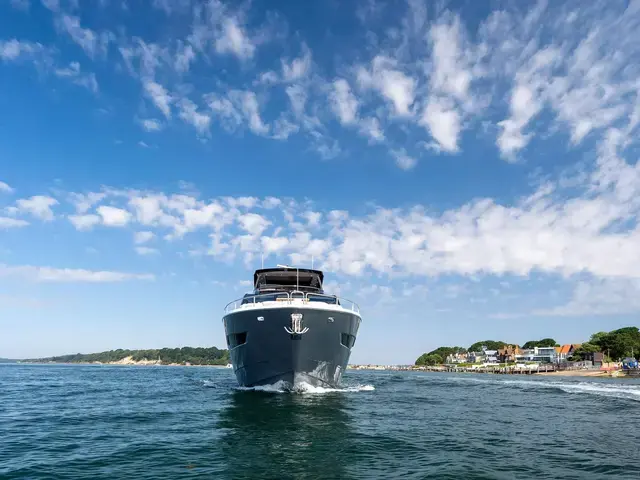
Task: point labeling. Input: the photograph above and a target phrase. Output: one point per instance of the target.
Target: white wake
(629, 391)
(306, 388)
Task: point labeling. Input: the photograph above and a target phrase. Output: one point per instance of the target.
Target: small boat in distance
(289, 330)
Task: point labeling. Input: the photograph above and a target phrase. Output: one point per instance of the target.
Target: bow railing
(291, 298)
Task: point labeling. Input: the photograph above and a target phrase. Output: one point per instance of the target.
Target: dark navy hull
(263, 352)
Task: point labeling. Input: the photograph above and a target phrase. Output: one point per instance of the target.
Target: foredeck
(296, 298)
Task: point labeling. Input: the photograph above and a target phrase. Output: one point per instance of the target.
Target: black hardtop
(305, 275)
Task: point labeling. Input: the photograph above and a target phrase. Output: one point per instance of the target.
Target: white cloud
(83, 202)
(527, 99)
(151, 125)
(146, 251)
(298, 98)
(344, 102)
(370, 127)
(84, 222)
(313, 218)
(584, 83)
(143, 237)
(53, 5)
(184, 56)
(443, 122)
(233, 39)
(238, 106)
(7, 222)
(39, 206)
(397, 87)
(252, 112)
(12, 50)
(273, 244)
(189, 113)
(72, 72)
(160, 97)
(150, 56)
(437, 72)
(5, 188)
(593, 231)
(113, 217)
(450, 73)
(271, 202)
(248, 104)
(253, 223)
(404, 161)
(50, 274)
(148, 209)
(91, 42)
(225, 110)
(450, 81)
(244, 202)
(283, 128)
(299, 67)
(267, 78)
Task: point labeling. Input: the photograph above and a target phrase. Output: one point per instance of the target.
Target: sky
(461, 170)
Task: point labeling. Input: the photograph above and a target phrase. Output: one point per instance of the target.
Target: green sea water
(121, 422)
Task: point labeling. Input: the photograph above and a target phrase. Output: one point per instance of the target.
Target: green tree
(619, 343)
(490, 344)
(583, 351)
(444, 352)
(429, 359)
(441, 352)
(545, 342)
(195, 356)
(598, 338)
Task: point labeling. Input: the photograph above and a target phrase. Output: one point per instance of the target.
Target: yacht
(290, 330)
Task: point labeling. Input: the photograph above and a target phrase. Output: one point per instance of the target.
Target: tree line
(181, 356)
(616, 345)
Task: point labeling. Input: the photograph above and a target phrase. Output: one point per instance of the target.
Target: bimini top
(303, 279)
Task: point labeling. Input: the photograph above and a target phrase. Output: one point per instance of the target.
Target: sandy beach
(580, 373)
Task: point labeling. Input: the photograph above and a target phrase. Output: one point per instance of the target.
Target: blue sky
(462, 170)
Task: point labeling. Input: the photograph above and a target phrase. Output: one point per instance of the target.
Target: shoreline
(123, 361)
(123, 364)
(584, 373)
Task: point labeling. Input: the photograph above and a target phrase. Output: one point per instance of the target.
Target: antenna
(262, 259)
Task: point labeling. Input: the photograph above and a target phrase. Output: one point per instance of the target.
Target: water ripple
(92, 422)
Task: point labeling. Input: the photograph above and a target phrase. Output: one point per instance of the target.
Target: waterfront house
(525, 355)
(485, 356)
(544, 354)
(508, 353)
(457, 358)
(565, 351)
(491, 356)
(475, 357)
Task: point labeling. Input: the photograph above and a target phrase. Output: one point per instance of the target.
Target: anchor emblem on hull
(296, 325)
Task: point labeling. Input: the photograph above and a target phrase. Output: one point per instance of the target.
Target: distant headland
(162, 356)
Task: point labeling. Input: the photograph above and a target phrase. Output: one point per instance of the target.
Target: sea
(162, 422)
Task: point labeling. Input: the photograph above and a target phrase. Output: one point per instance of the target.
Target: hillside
(163, 356)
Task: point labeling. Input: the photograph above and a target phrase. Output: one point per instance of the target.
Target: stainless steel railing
(290, 297)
